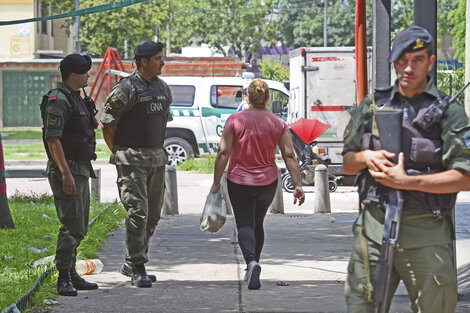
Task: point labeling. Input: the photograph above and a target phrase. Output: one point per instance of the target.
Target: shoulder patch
(53, 94)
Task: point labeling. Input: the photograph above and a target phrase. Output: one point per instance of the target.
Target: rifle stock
(389, 124)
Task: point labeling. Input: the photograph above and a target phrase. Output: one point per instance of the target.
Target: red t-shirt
(256, 135)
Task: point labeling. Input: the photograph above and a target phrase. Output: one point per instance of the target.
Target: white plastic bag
(214, 214)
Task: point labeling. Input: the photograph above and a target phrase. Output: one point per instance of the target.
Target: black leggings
(250, 205)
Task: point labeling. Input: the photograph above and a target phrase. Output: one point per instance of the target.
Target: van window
(183, 96)
(277, 95)
(226, 97)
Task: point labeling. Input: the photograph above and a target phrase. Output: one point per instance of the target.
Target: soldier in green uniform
(433, 167)
(69, 139)
(134, 125)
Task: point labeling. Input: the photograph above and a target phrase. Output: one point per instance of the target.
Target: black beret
(76, 63)
(411, 39)
(146, 48)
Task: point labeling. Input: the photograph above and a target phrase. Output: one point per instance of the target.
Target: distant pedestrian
(250, 139)
(134, 125)
(69, 140)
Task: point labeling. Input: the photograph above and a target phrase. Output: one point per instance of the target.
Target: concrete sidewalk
(303, 263)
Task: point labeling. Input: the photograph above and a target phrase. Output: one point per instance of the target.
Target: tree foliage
(273, 70)
(300, 22)
(458, 19)
(239, 24)
(134, 23)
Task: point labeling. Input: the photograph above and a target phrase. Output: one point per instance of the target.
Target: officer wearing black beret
(432, 168)
(134, 125)
(69, 139)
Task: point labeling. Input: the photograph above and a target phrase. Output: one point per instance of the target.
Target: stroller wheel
(287, 183)
(332, 185)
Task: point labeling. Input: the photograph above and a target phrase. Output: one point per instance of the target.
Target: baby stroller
(303, 133)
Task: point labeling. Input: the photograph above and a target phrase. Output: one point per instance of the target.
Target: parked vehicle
(200, 107)
(323, 87)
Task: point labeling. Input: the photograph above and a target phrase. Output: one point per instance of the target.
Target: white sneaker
(254, 270)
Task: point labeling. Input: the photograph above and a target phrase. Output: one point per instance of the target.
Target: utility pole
(77, 28)
(467, 58)
(325, 23)
(168, 31)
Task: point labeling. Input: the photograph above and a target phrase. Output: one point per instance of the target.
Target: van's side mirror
(277, 106)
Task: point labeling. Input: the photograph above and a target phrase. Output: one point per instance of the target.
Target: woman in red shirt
(250, 139)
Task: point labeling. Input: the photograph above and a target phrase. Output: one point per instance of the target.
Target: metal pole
(425, 15)
(77, 28)
(168, 30)
(467, 60)
(380, 43)
(325, 23)
(361, 51)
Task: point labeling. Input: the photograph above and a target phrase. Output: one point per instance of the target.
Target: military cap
(148, 47)
(411, 39)
(76, 63)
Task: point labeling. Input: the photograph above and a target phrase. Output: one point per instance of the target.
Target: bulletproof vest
(144, 125)
(78, 138)
(422, 149)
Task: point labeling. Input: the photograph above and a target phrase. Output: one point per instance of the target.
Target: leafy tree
(134, 23)
(273, 70)
(457, 17)
(300, 23)
(239, 24)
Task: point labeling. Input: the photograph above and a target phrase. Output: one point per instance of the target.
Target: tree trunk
(6, 221)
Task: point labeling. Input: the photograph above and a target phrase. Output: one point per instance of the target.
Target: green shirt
(417, 229)
(59, 112)
(120, 100)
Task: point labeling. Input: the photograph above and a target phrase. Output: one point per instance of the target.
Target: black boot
(126, 270)
(64, 284)
(79, 283)
(140, 277)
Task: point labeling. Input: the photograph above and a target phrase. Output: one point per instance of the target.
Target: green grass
(35, 151)
(204, 164)
(30, 133)
(17, 275)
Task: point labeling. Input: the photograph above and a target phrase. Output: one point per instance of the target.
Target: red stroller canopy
(308, 129)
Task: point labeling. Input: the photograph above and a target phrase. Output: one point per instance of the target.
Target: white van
(200, 108)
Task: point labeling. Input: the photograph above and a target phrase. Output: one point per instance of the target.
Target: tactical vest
(78, 137)
(144, 125)
(423, 155)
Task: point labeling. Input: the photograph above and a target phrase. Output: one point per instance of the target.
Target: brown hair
(258, 93)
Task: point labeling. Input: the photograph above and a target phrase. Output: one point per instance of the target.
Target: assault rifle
(434, 112)
(389, 125)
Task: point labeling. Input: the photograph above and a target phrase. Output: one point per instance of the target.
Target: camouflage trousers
(427, 273)
(141, 190)
(73, 212)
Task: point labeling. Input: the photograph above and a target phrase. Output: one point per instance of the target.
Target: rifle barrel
(458, 93)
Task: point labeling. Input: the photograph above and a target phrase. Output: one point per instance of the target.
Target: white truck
(200, 108)
(323, 87)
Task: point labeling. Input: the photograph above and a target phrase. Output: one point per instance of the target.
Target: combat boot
(79, 282)
(64, 284)
(126, 270)
(140, 277)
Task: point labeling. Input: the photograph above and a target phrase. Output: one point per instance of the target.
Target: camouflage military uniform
(72, 210)
(423, 257)
(141, 174)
